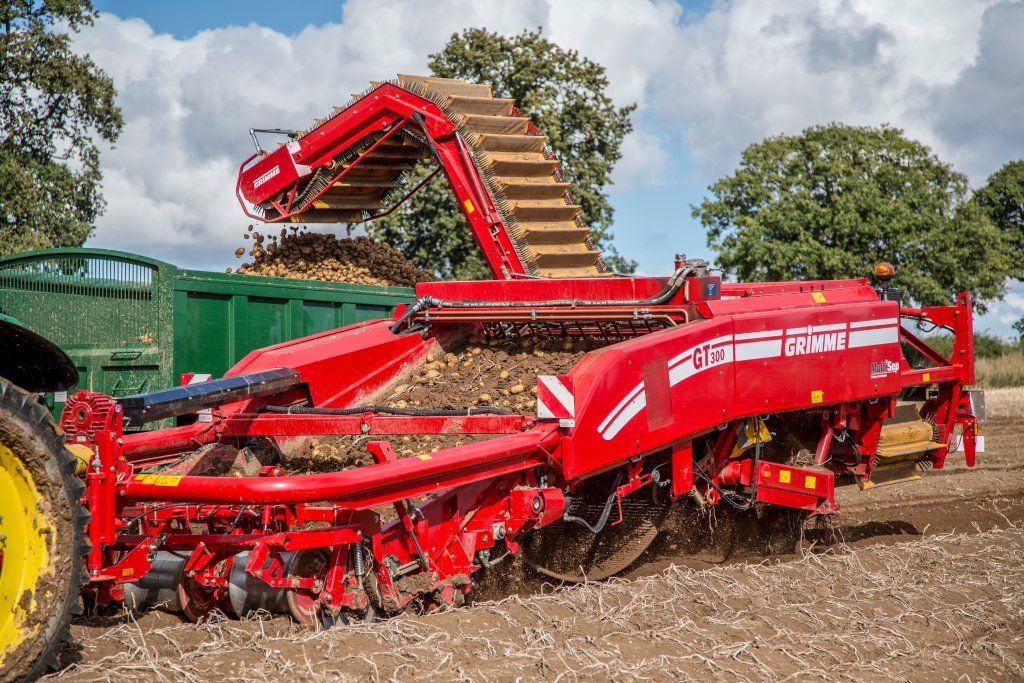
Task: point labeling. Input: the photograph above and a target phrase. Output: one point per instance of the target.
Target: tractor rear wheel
(41, 537)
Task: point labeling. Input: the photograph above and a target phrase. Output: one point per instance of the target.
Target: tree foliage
(563, 93)
(1002, 199)
(53, 103)
(834, 200)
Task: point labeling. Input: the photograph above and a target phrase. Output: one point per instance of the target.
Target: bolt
(328, 597)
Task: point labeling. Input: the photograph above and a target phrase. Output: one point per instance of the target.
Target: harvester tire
(41, 537)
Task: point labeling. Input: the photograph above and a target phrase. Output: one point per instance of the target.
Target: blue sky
(710, 78)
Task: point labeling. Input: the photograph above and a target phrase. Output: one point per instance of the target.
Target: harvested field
(295, 253)
(916, 581)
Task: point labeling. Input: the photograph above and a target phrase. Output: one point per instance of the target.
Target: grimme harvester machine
(762, 397)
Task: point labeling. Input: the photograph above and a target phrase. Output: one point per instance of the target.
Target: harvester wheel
(41, 537)
(304, 605)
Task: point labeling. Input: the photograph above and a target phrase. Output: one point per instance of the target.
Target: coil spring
(358, 562)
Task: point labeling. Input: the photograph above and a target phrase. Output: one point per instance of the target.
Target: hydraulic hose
(603, 519)
(359, 410)
(670, 289)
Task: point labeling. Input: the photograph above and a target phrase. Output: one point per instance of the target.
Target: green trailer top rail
(132, 323)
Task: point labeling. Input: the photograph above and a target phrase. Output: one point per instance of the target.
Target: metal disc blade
(570, 552)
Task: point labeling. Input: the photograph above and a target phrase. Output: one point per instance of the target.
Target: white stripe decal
(874, 323)
(766, 344)
(558, 390)
(764, 349)
(634, 407)
(882, 335)
(828, 328)
(758, 335)
(543, 411)
(622, 404)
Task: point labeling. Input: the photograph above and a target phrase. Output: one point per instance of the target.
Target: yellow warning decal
(784, 476)
(817, 396)
(818, 297)
(810, 482)
(426, 457)
(128, 571)
(469, 206)
(927, 377)
(158, 479)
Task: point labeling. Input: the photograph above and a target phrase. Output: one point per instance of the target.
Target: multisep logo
(884, 367)
(266, 176)
(815, 343)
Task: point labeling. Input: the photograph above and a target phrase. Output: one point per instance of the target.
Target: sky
(709, 78)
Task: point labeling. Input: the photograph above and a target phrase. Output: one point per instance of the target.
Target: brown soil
(295, 253)
(914, 581)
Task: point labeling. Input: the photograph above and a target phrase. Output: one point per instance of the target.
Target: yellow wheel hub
(25, 534)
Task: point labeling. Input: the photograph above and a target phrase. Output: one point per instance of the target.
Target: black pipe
(670, 289)
(359, 410)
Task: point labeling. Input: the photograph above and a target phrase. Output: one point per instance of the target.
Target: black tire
(47, 591)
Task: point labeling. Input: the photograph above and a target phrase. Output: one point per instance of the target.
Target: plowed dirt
(916, 581)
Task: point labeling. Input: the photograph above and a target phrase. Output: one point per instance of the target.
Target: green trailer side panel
(131, 324)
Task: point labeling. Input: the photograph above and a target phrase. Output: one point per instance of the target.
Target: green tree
(834, 200)
(563, 93)
(1002, 199)
(53, 103)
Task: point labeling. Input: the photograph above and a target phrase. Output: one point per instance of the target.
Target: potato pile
(297, 253)
(499, 373)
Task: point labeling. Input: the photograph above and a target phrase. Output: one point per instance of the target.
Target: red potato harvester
(692, 388)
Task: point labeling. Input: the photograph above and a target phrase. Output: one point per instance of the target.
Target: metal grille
(75, 299)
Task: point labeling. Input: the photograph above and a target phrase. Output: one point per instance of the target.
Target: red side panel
(722, 369)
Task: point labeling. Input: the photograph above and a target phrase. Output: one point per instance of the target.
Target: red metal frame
(830, 349)
(677, 382)
(276, 176)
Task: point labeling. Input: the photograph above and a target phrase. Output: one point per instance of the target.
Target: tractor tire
(41, 537)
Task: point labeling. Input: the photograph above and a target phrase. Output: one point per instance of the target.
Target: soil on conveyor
(298, 253)
(478, 373)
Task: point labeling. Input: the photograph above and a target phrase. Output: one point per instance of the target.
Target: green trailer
(132, 324)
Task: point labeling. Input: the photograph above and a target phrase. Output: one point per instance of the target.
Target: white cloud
(948, 71)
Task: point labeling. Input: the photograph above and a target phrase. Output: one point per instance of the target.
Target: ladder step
(486, 106)
(493, 142)
(547, 232)
(562, 255)
(502, 125)
(446, 87)
(553, 210)
(520, 189)
(521, 164)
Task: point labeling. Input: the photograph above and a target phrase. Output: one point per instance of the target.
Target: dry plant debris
(947, 606)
